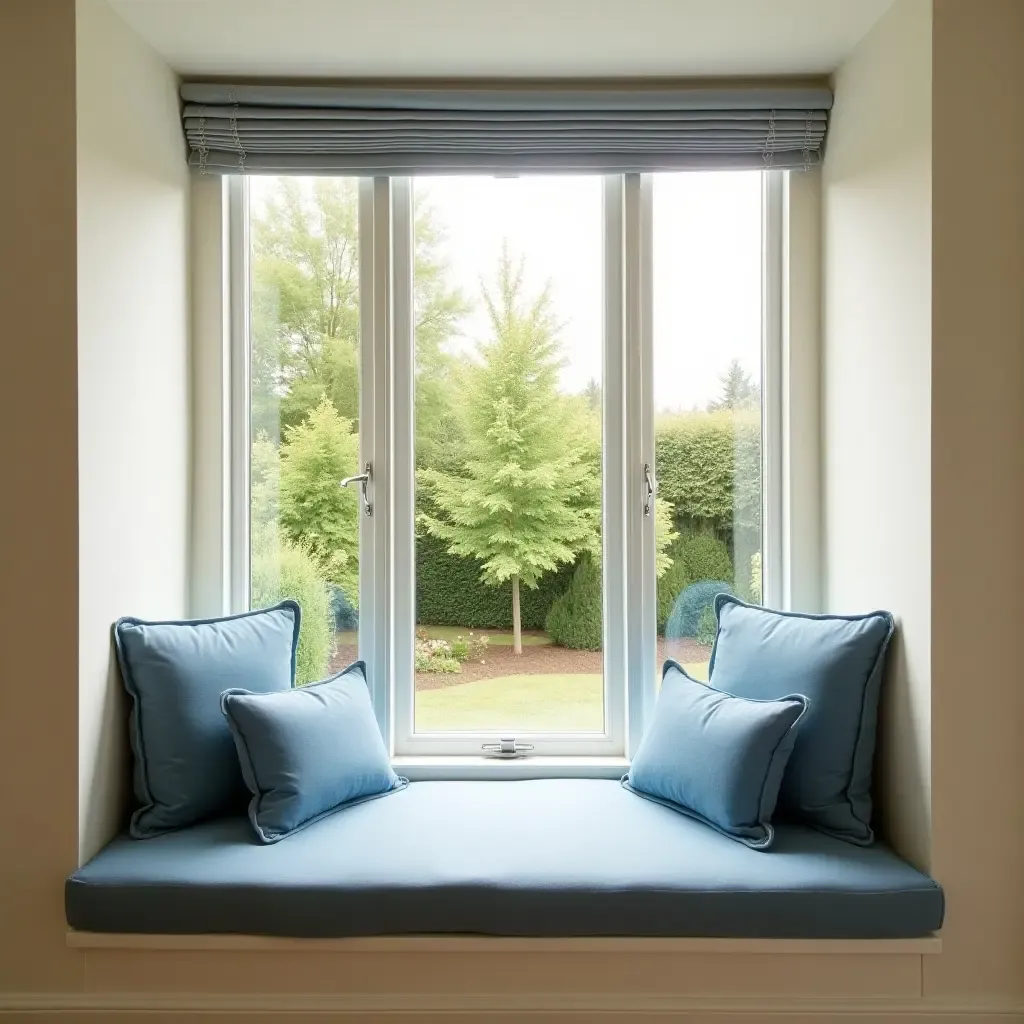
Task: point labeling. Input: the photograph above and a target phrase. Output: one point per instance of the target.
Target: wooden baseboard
(207, 1008)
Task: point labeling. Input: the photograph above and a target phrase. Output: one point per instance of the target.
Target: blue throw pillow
(175, 672)
(716, 757)
(308, 752)
(837, 661)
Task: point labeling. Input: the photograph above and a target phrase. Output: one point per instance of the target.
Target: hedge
(709, 468)
(449, 592)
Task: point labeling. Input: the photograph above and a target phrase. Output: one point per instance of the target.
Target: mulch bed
(541, 659)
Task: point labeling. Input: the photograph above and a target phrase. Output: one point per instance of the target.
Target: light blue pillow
(185, 764)
(309, 752)
(716, 757)
(837, 661)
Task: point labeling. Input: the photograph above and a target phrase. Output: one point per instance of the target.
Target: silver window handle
(365, 479)
(651, 486)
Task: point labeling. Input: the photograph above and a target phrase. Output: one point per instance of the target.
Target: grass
(494, 636)
(526, 703)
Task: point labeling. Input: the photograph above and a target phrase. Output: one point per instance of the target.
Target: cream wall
(133, 381)
(876, 384)
(977, 489)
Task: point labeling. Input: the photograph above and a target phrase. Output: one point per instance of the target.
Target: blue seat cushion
(553, 857)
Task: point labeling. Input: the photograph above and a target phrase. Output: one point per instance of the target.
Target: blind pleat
(467, 129)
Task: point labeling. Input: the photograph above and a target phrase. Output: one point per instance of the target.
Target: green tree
(305, 304)
(314, 511)
(738, 390)
(526, 500)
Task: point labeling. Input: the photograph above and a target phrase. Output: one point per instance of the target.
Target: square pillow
(308, 752)
(185, 763)
(716, 757)
(837, 661)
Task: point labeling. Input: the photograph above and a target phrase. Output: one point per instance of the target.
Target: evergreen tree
(526, 500)
(738, 390)
(314, 511)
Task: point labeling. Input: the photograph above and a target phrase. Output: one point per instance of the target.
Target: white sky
(707, 267)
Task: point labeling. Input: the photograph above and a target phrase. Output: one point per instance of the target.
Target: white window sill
(420, 768)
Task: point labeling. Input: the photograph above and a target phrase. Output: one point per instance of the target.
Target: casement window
(555, 400)
(511, 388)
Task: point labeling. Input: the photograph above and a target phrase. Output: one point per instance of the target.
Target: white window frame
(387, 620)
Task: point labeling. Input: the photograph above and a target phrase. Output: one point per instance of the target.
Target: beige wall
(938, 260)
(39, 504)
(876, 384)
(978, 491)
(133, 393)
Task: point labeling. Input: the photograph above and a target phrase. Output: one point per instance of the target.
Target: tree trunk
(517, 629)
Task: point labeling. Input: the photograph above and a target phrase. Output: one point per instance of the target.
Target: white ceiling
(453, 38)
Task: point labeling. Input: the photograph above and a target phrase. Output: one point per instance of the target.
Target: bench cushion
(558, 857)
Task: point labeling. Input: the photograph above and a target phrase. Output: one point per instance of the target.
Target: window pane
(707, 396)
(508, 294)
(305, 410)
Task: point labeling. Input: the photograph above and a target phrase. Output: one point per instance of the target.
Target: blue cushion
(837, 662)
(308, 752)
(186, 768)
(716, 757)
(544, 857)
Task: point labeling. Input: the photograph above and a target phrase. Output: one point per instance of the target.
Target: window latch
(364, 478)
(506, 748)
(650, 487)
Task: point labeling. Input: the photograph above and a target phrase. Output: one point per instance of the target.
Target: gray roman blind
(373, 129)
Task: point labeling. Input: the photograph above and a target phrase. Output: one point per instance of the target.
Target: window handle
(650, 487)
(507, 748)
(364, 479)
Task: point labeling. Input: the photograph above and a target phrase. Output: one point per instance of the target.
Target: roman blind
(492, 128)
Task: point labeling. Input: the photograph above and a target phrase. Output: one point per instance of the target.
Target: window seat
(548, 857)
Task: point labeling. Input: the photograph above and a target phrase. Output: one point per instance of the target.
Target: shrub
(281, 569)
(441, 663)
(346, 615)
(435, 654)
(671, 583)
(468, 648)
(575, 619)
(755, 577)
(691, 605)
(706, 558)
(707, 626)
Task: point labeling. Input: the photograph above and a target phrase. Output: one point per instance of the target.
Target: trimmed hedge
(709, 468)
(449, 592)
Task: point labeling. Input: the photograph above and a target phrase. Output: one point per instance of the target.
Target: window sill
(420, 768)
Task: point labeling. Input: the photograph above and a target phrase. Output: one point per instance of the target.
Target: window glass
(707, 340)
(508, 303)
(304, 372)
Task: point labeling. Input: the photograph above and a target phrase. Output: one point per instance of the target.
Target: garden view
(508, 286)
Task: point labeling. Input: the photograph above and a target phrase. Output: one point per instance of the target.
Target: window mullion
(402, 493)
(375, 340)
(775, 570)
(640, 583)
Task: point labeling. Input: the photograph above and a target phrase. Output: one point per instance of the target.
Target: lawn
(523, 703)
(497, 637)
